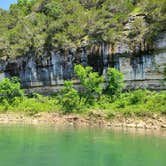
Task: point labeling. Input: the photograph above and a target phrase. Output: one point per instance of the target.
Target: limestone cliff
(47, 72)
(41, 45)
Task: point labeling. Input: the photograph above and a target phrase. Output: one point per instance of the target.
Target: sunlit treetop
(40, 25)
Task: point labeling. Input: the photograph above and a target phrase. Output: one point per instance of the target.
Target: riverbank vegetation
(100, 93)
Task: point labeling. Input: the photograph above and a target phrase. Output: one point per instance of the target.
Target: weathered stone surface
(47, 73)
(161, 42)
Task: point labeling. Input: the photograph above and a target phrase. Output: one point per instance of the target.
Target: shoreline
(157, 122)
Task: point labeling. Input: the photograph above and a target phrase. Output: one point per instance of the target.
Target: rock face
(142, 69)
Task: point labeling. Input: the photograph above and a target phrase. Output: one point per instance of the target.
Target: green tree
(69, 98)
(36, 26)
(10, 89)
(114, 82)
(91, 82)
(54, 9)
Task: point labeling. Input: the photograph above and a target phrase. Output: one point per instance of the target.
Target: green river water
(67, 146)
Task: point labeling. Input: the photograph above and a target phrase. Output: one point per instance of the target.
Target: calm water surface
(50, 146)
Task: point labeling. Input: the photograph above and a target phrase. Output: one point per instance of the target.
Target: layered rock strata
(142, 68)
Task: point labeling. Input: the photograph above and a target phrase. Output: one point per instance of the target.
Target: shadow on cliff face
(101, 57)
(12, 69)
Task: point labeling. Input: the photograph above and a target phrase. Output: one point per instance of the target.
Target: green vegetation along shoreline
(99, 101)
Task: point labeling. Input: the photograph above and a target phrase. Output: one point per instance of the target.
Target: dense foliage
(92, 83)
(10, 90)
(86, 98)
(114, 82)
(68, 97)
(40, 25)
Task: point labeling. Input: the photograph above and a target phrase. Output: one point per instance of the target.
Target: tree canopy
(40, 25)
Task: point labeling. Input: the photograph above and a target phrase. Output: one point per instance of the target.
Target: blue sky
(6, 3)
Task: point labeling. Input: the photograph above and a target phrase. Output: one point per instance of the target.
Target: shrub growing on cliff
(91, 82)
(114, 82)
(10, 90)
(68, 98)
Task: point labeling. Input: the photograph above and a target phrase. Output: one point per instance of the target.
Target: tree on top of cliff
(40, 25)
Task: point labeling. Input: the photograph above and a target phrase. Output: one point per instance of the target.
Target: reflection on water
(67, 146)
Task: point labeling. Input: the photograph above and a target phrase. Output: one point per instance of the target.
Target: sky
(5, 4)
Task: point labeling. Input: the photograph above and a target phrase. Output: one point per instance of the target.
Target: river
(27, 145)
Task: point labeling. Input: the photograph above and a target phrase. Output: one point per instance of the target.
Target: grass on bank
(139, 103)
